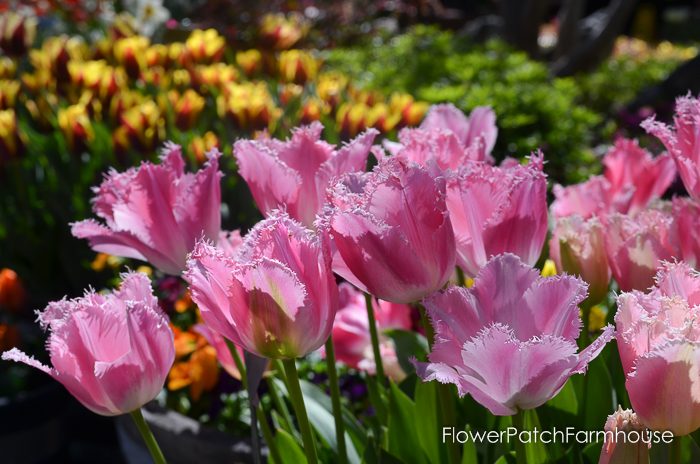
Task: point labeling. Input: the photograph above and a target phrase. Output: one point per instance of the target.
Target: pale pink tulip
(682, 141)
(391, 231)
(277, 298)
(230, 242)
(112, 352)
(618, 447)
(510, 340)
(686, 229)
(577, 247)
(156, 213)
(495, 210)
(658, 337)
(351, 338)
(294, 174)
(628, 166)
(636, 245)
(480, 123)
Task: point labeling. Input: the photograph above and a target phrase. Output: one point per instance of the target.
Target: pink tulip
(391, 231)
(618, 447)
(112, 352)
(295, 173)
(230, 242)
(686, 225)
(277, 298)
(658, 336)
(353, 345)
(630, 167)
(682, 141)
(223, 353)
(510, 340)
(480, 123)
(636, 245)
(587, 199)
(577, 247)
(497, 210)
(156, 213)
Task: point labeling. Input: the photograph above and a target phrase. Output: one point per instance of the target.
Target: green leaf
(535, 451)
(403, 440)
(507, 459)
(408, 345)
(289, 450)
(469, 455)
(428, 427)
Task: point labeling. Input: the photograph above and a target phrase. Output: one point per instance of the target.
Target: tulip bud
(204, 46)
(17, 33)
(578, 247)
(250, 61)
(617, 449)
(130, 52)
(11, 139)
(297, 66)
(281, 32)
(75, 124)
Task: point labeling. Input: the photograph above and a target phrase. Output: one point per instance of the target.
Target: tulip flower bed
(338, 275)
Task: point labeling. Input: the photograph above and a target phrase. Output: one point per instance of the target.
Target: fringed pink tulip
(682, 141)
(686, 228)
(510, 340)
(636, 245)
(230, 242)
(618, 447)
(587, 199)
(496, 210)
(112, 352)
(480, 123)
(628, 167)
(658, 336)
(294, 174)
(391, 231)
(351, 338)
(156, 213)
(277, 298)
(577, 247)
(448, 138)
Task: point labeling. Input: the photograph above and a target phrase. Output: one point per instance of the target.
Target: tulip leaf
(599, 401)
(289, 449)
(469, 455)
(428, 427)
(320, 411)
(403, 436)
(535, 450)
(506, 459)
(408, 345)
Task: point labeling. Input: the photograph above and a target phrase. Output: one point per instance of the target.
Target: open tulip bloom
(112, 352)
(510, 340)
(156, 212)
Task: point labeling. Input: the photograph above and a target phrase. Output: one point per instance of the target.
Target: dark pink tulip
(156, 213)
(686, 229)
(353, 345)
(496, 210)
(391, 231)
(112, 352)
(632, 180)
(276, 298)
(294, 174)
(510, 340)
(577, 247)
(636, 245)
(682, 141)
(628, 166)
(658, 336)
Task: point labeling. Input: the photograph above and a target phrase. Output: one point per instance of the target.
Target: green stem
(255, 441)
(447, 409)
(375, 338)
(148, 437)
(239, 363)
(269, 439)
(335, 398)
(281, 407)
(519, 424)
(675, 453)
(295, 395)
